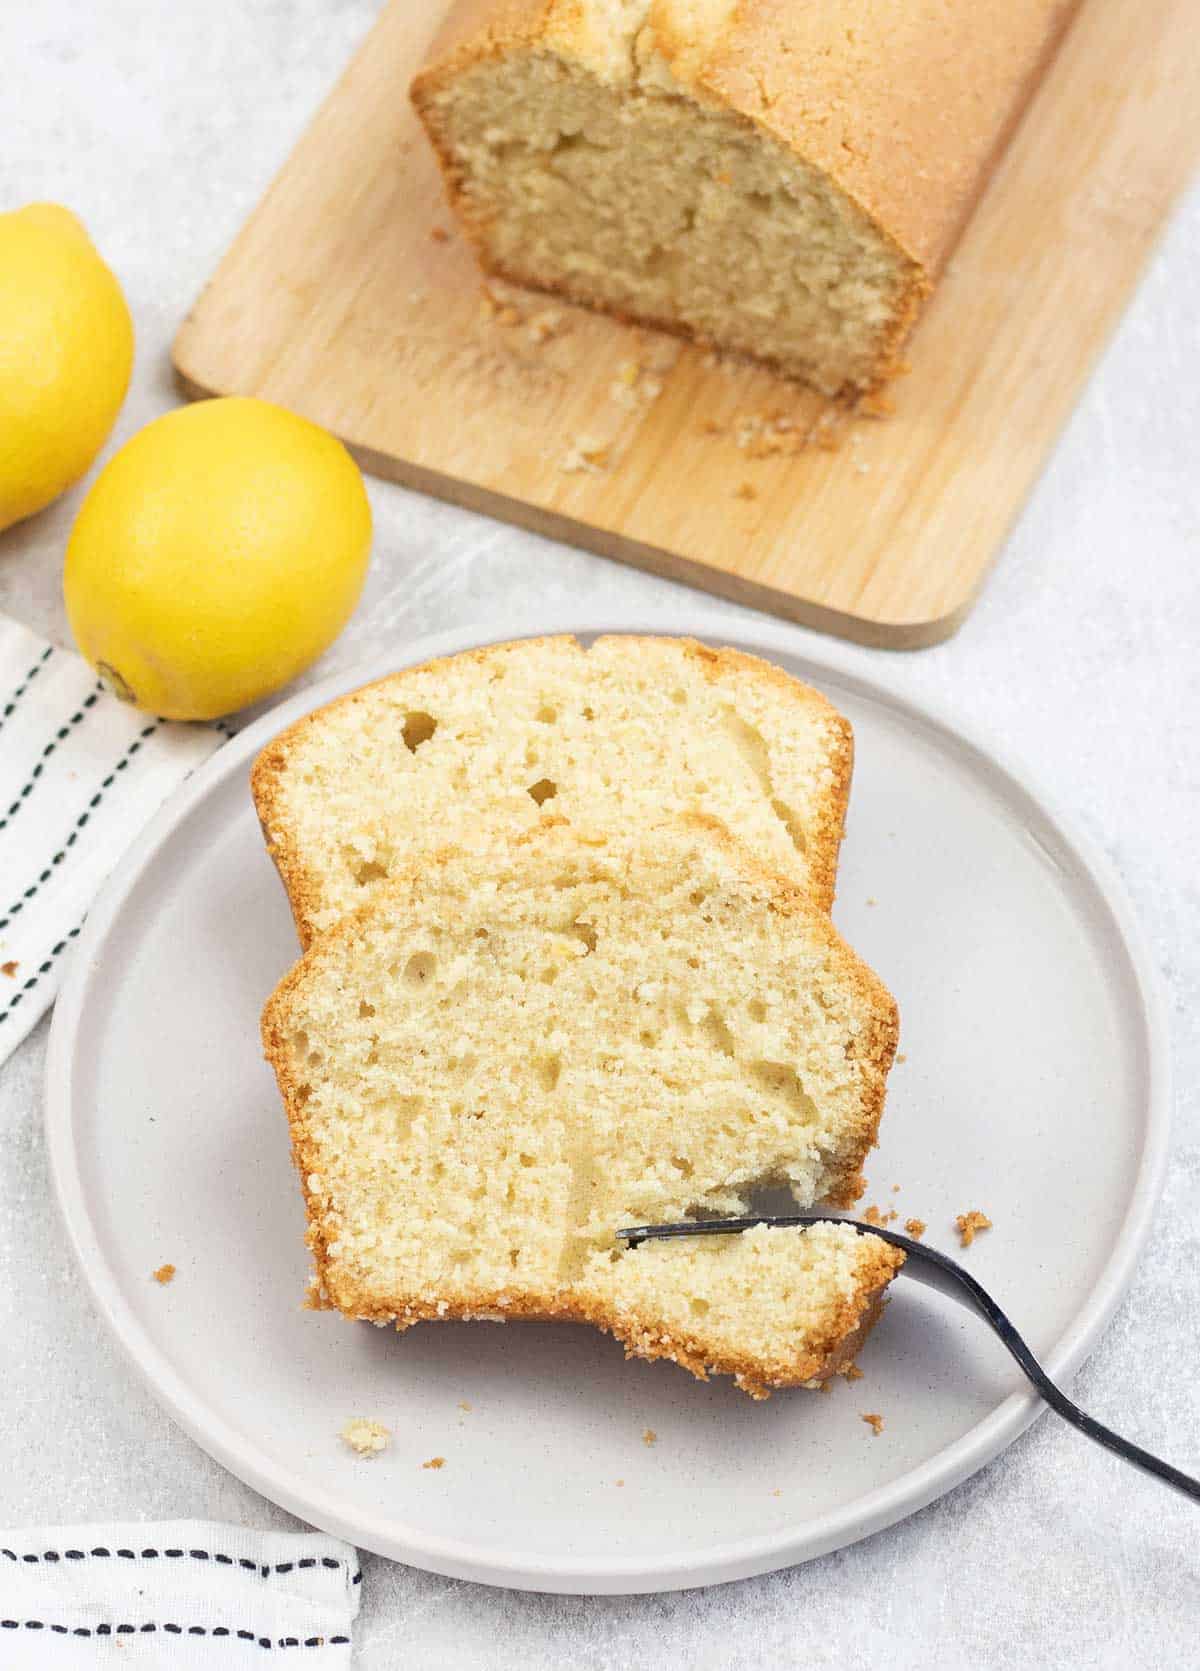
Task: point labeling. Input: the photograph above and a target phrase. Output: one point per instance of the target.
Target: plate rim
(861, 1516)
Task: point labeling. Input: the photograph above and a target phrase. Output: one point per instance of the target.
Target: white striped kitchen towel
(80, 775)
(177, 1594)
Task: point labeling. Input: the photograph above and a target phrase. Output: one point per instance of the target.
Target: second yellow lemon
(217, 555)
(66, 351)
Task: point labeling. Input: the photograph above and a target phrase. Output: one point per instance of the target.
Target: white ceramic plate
(1033, 1086)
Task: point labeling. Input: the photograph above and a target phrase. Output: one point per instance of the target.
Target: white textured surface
(161, 125)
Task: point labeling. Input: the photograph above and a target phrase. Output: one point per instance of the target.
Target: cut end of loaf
(579, 163)
(506, 1056)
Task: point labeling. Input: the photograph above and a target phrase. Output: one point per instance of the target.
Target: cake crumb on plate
(10, 968)
(874, 1421)
(649, 1437)
(970, 1224)
(435, 1462)
(164, 1274)
(916, 1228)
(366, 1437)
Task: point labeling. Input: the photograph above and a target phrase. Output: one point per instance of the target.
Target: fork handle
(982, 1302)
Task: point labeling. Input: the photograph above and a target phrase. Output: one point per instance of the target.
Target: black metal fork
(937, 1271)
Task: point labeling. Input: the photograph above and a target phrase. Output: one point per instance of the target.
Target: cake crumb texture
(164, 1274)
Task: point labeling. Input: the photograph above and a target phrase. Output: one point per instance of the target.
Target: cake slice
(481, 746)
(506, 1056)
(784, 180)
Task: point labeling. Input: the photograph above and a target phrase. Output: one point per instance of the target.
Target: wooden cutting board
(349, 297)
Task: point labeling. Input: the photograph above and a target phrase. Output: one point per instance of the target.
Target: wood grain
(348, 297)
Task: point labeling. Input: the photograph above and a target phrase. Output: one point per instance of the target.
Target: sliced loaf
(505, 1056)
(492, 742)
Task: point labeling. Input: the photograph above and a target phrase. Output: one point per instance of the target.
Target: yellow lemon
(216, 556)
(66, 350)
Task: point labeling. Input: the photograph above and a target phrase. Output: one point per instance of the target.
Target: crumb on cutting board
(916, 1228)
(164, 1274)
(826, 433)
(498, 308)
(435, 1462)
(970, 1224)
(633, 386)
(587, 454)
(366, 1437)
(874, 1421)
(767, 435)
(551, 322)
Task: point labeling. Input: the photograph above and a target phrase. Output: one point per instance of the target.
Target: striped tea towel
(178, 1594)
(80, 775)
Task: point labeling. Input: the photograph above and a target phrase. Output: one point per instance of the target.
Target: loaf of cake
(506, 1056)
(783, 178)
(484, 745)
